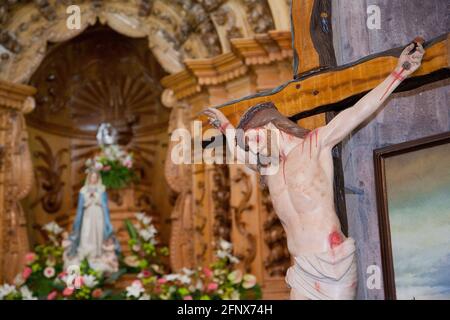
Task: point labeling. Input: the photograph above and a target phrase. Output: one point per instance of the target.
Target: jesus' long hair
(260, 115)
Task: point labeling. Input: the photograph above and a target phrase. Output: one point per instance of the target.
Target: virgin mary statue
(92, 236)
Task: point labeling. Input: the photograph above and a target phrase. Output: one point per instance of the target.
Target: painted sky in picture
(418, 187)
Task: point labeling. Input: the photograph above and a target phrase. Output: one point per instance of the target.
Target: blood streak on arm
(316, 131)
(397, 76)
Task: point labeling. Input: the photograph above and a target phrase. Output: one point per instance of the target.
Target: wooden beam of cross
(319, 85)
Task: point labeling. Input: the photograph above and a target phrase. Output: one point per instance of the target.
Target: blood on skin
(310, 144)
(283, 158)
(335, 239)
(317, 286)
(310, 135)
(317, 135)
(397, 76)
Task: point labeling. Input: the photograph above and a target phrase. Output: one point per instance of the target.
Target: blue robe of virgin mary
(108, 231)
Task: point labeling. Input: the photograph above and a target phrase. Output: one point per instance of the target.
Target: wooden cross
(319, 86)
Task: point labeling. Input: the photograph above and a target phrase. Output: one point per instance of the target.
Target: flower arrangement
(147, 253)
(87, 285)
(12, 292)
(115, 166)
(217, 282)
(43, 276)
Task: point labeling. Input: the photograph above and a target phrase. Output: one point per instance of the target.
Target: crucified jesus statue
(302, 188)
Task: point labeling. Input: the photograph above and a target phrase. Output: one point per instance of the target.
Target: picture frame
(419, 151)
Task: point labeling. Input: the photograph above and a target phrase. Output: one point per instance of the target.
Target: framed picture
(413, 198)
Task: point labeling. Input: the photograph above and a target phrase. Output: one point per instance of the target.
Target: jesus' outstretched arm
(346, 121)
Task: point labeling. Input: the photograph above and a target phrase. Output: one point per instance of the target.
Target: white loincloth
(329, 275)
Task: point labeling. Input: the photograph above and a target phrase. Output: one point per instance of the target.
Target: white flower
(185, 279)
(98, 166)
(146, 220)
(145, 296)
(249, 281)
(235, 295)
(6, 289)
(49, 272)
(233, 259)
(225, 245)
(199, 285)
(221, 254)
(131, 261)
(172, 289)
(139, 216)
(187, 271)
(88, 163)
(172, 277)
(53, 227)
(235, 276)
(19, 280)
(135, 289)
(26, 293)
(90, 280)
(148, 233)
(155, 267)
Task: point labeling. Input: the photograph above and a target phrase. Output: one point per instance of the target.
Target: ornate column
(178, 177)
(16, 175)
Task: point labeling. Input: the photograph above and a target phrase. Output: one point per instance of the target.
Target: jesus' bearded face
(262, 140)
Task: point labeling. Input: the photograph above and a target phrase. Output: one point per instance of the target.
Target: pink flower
(98, 166)
(249, 281)
(97, 293)
(146, 273)
(187, 298)
(208, 272)
(52, 295)
(26, 273)
(212, 286)
(128, 163)
(30, 257)
(68, 292)
(49, 272)
(106, 168)
(235, 276)
(162, 280)
(137, 283)
(62, 274)
(78, 282)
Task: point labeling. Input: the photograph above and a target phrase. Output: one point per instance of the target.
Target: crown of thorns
(250, 113)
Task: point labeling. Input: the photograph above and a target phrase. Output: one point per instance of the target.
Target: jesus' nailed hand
(302, 188)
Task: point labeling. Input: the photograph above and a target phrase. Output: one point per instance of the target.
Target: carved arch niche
(99, 76)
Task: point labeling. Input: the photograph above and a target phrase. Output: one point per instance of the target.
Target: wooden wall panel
(405, 116)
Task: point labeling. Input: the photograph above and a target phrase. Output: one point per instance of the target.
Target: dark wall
(407, 116)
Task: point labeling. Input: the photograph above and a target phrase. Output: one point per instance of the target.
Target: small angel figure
(106, 135)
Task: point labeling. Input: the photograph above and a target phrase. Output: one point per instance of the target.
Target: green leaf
(131, 229)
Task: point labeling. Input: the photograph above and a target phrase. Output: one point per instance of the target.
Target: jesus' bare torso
(301, 189)
(302, 195)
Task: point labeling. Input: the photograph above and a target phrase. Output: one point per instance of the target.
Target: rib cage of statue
(302, 189)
